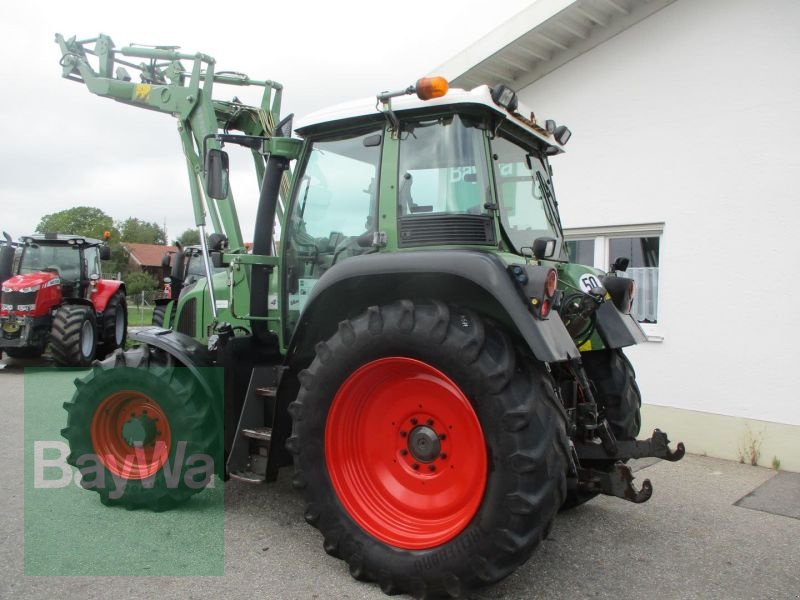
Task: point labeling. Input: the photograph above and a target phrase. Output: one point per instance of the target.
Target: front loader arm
(166, 86)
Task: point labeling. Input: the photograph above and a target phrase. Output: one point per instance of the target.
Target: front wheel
(144, 436)
(433, 460)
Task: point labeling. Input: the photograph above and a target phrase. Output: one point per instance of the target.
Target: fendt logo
(195, 471)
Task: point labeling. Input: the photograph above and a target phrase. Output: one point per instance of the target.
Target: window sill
(653, 333)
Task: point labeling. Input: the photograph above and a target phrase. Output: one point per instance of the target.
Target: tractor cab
(74, 260)
(466, 170)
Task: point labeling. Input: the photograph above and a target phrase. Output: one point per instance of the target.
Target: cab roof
(481, 96)
(60, 238)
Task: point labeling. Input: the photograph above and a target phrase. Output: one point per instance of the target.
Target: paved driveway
(688, 541)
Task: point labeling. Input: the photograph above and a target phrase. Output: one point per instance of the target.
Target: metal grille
(16, 299)
(428, 230)
(186, 321)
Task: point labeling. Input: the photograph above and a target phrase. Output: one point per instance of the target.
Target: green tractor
(186, 267)
(417, 345)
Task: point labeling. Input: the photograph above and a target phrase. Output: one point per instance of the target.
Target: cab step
(248, 477)
(258, 433)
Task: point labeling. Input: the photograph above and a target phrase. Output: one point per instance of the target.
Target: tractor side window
(525, 211)
(333, 214)
(442, 168)
(92, 258)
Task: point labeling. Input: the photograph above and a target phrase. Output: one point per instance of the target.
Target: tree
(139, 231)
(79, 220)
(190, 237)
(138, 282)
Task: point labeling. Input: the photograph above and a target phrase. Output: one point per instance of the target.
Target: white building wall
(692, 118)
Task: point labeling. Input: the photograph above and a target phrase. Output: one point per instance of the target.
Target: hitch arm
(657, 446)
(616, 482)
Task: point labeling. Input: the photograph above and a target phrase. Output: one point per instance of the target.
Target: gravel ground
(688, 541)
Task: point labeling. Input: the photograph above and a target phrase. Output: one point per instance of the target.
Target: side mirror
(543, 247)
(216, 172)
(216, 259)
(621, 264)
(105, 253)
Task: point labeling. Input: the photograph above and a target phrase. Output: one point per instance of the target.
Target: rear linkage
(594, 443)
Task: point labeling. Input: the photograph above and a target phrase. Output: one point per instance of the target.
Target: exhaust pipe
(262, 245)
(6, 258)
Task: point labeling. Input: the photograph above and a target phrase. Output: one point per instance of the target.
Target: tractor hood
(30, 282)
(30, 295)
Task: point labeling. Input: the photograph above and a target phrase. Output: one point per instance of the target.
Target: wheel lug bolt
(403, 434)
(403, 452)
(443, 455)
(414, 421)
(429, 422)
(415, 466)
(431, 467)
(442, 436)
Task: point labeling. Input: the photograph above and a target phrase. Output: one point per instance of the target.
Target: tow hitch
(618, 481)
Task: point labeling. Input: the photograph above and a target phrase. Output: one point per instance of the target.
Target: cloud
(64, 147)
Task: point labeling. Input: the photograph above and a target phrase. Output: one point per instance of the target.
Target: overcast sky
(64, 147)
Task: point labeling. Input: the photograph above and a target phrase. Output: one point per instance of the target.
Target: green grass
(139, 315)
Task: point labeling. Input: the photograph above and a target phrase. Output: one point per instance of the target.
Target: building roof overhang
(541, 38)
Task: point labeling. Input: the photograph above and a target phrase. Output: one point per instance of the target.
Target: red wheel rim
(405, 453)
(131, 435)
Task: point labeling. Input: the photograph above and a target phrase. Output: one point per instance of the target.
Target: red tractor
(56, 295)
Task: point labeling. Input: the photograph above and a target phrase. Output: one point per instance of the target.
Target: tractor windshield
(527, 204)
(62, 258)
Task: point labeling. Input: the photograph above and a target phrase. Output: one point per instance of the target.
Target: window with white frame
(601, 246)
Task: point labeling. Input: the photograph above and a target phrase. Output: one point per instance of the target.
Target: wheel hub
(423, 444)
(139, 431)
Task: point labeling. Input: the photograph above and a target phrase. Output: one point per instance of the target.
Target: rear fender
(104, 289)
(471, 279)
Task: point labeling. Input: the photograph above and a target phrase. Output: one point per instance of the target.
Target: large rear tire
(137, 423)
(619, 400)
(115, 325)
(433, 460)
(73, 336)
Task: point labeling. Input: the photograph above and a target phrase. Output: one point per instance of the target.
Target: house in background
(685, 118)
(147, 257)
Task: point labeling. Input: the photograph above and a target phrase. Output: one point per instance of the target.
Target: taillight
(544, 309)
(538, 284)
(551, 284)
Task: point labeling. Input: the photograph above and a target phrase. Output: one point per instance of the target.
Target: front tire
(431, 386)
(159, 312)
(73, 337)
(137, 422)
